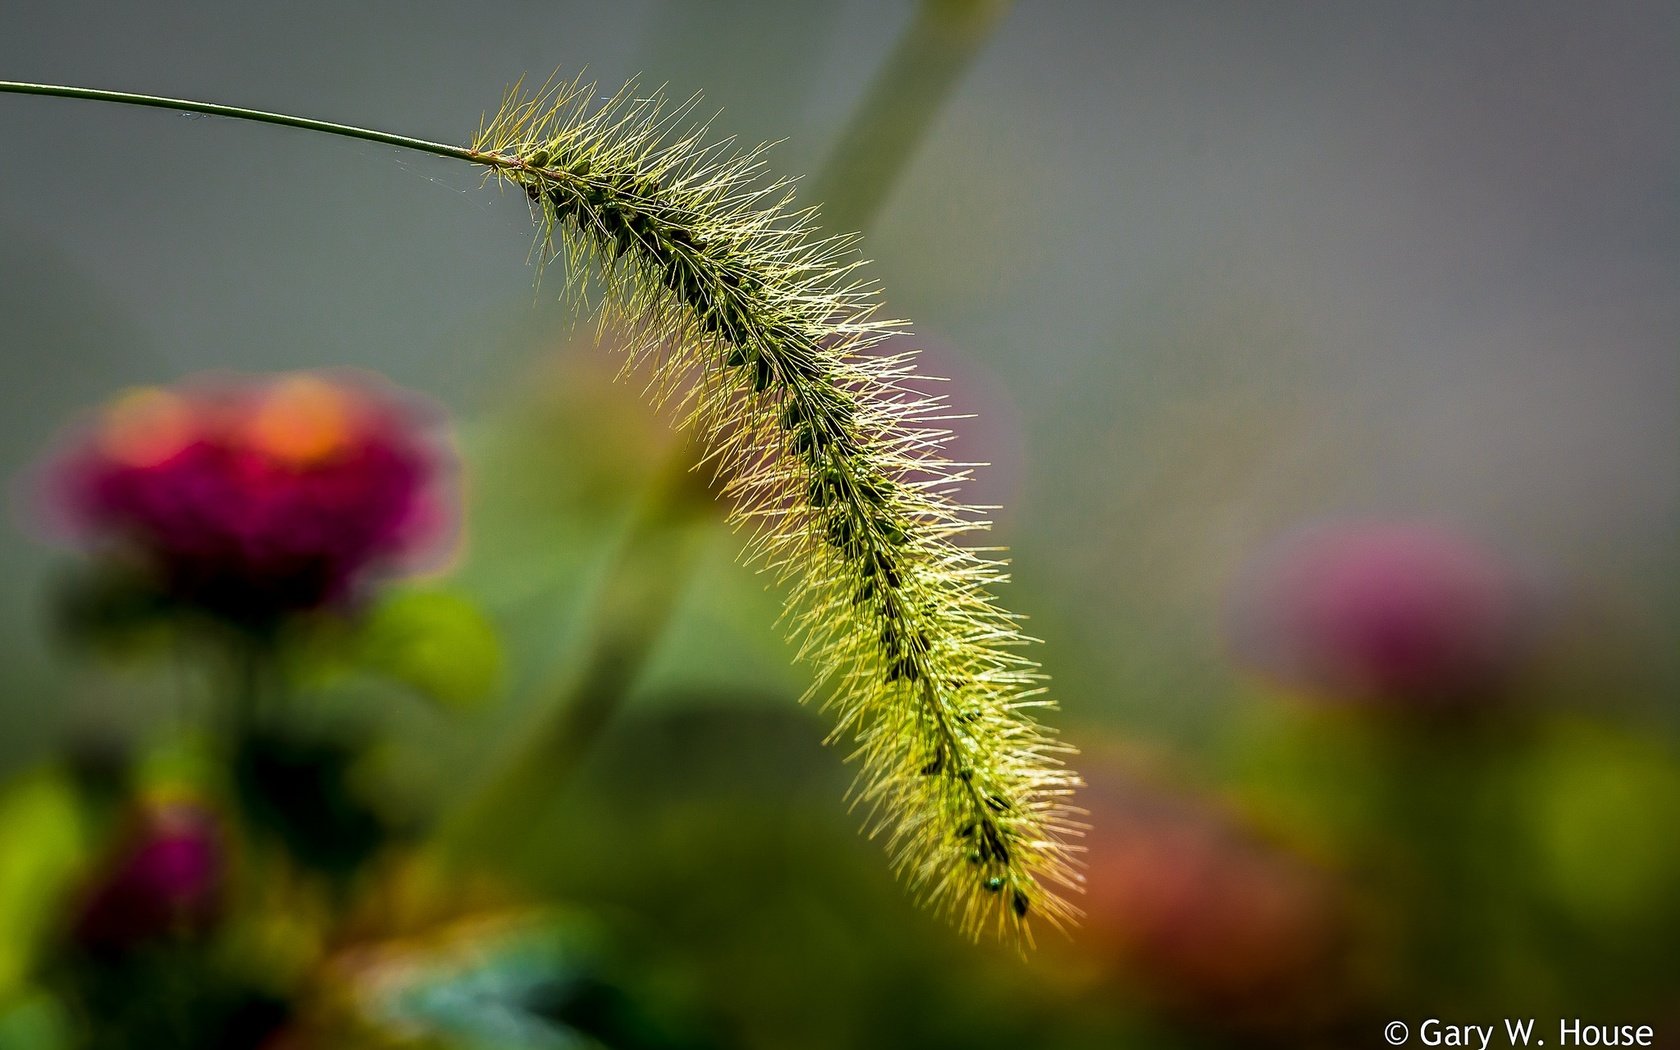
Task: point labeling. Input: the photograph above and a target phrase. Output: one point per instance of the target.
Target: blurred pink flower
(253, 498)
(1210, 921)
(166, 878)
(1384, 612)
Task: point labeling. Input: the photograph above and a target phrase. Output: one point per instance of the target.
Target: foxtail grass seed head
(765, 334)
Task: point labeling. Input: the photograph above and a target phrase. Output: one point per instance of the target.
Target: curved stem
(129, 98)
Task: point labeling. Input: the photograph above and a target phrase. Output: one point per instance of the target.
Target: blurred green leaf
(42, 846)
(1603, 823)
(485, 997)
(537, 983)
(33, 1021)
(437, 642)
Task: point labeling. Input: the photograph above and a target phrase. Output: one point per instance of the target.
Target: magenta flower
(166, 879)
(255, 498)
(1382, 612)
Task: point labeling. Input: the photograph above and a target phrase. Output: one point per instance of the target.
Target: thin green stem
(129, 98)
(245, 689)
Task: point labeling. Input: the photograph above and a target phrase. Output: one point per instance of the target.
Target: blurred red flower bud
(1400, 613)
(165, 878)
(254, 498)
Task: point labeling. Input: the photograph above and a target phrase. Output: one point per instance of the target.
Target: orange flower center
(301, 421)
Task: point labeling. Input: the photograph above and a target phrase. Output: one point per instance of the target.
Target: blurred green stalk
(900, 106)
(653, 564)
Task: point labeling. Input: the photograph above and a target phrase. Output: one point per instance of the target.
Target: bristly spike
(760, 328)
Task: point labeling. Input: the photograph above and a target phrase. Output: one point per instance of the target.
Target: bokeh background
(1326, 357)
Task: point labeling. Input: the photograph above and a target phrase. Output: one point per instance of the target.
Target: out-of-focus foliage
(439, 643)
(1455, 833)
